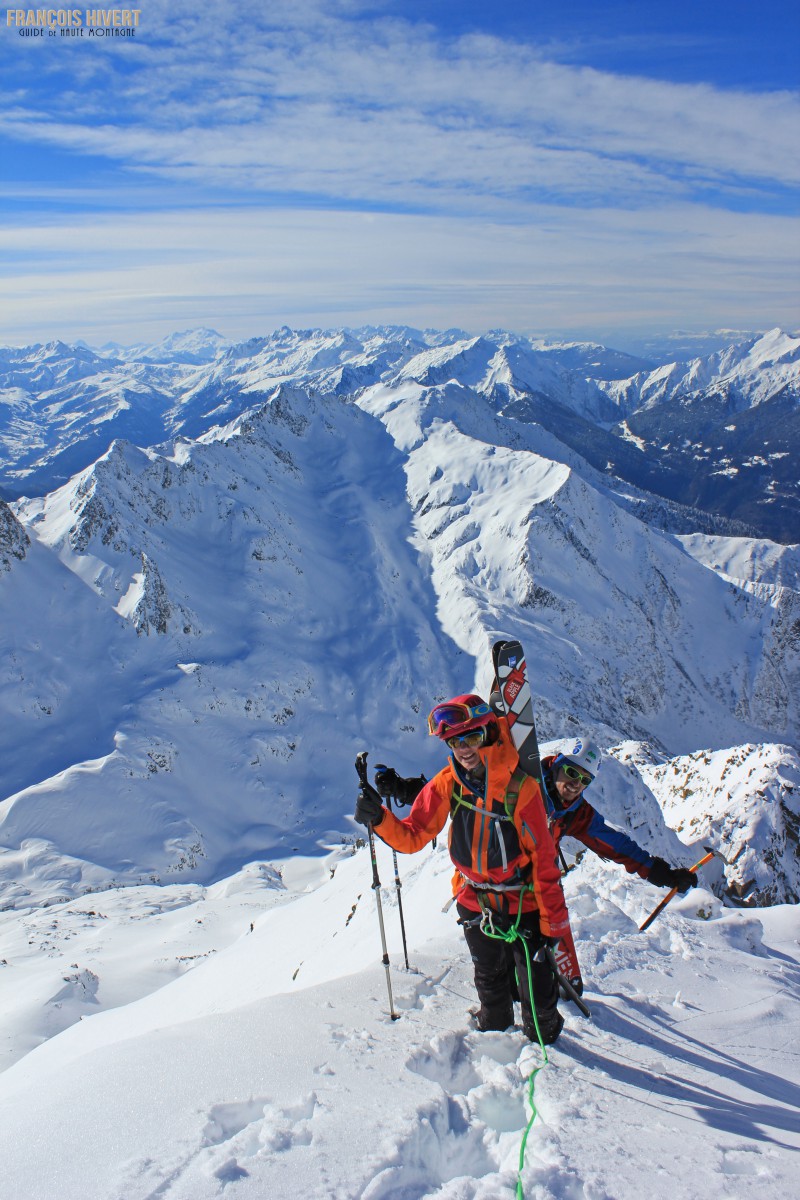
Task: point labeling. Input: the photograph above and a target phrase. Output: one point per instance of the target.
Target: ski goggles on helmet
(574, 775)
(445, 715)
(471, 740)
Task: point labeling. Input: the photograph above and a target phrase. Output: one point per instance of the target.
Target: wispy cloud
(391, 114)
(306, 159)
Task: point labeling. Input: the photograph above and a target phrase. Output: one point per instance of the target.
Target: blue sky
(569, 170)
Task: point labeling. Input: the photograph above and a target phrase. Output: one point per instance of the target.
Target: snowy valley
(224, 571)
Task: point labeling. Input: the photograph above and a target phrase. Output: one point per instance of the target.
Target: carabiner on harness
(487, 923)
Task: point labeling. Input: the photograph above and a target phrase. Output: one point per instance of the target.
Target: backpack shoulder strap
(510, 799)
(512, 791)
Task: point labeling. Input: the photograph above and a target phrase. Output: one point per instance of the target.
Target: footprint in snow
(420, 993)
(445, 1146)
(472, 1132)
(225, 1121)
(746, 1161)
(446, 1060)
(234, 1133)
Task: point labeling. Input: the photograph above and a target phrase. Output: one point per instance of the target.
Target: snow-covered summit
(191, 347)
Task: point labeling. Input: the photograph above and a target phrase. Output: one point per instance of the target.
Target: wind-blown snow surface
(271, 1068)
(196, 638)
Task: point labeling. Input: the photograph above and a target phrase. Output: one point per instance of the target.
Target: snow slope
(271, 1068)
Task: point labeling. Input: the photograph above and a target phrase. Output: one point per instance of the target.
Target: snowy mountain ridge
(314, 547)
(746, 374)
(60, 406)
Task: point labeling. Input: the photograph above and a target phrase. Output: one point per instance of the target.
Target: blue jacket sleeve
(590, 828)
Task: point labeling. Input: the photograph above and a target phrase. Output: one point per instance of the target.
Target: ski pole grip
(361, 766)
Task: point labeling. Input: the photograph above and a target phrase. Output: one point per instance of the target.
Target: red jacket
(498, 849)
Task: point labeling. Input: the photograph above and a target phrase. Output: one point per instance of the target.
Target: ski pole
(398, 885)
(361, 768)
(565, 983)
(673, 892)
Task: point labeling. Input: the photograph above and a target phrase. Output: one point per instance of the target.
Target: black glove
(546, 943)
(576, 984)
(663, 875)
(369, 810)
(392, 786)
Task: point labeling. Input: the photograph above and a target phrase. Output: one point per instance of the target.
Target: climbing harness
(510, 798)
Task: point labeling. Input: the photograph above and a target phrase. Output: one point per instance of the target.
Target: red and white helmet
(460, 715)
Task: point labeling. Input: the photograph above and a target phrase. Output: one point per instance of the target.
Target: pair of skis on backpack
(512, 699)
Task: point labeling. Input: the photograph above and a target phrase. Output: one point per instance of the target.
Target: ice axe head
(718, 854)
(361, 766)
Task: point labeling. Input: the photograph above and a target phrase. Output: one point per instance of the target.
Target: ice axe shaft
(674, 891)
(565, 983)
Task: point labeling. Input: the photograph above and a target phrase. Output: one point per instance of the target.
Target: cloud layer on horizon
(245, 271)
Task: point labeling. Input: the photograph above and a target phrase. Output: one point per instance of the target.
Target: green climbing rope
(511, 935)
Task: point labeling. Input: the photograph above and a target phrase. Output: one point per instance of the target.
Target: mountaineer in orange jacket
(504, 857)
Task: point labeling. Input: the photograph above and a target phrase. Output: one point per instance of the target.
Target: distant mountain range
(236, 566)
(717, 434)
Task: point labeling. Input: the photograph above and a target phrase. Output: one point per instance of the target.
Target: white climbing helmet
(583, 754)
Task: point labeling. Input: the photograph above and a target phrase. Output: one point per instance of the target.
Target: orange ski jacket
(497, 842)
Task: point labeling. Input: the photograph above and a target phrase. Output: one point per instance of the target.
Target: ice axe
(564, 983)
(711, 853)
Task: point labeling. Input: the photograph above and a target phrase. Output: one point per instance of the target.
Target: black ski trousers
(495, 962)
